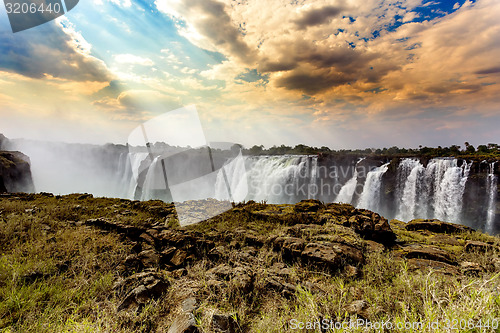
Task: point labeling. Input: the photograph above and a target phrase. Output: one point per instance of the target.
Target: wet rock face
(15, 172)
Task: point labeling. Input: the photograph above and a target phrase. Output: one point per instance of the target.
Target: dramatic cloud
(54, 49)
(208, 26)
(317, 16)
(312, 83)
(341, 73)
(491, 70)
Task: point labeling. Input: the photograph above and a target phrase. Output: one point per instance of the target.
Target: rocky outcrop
(367, 224)
(257, 252)
(437, 226)
(139, 288)
(15, 172)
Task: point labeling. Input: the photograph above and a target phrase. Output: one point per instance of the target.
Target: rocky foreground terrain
(83, 264)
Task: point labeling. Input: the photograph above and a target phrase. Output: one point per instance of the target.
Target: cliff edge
(15, 172)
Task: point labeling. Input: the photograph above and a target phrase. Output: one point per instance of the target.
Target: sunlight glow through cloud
(337, 73)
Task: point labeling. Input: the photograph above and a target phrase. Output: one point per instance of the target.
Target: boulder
(440, 267)
(434, 225)
(179, 257)
(279, 269)
(239, 276)
(174, 238)
(427, 252)
(243, 278)
(127, 230)
(185, 321)
(306, 206)
(140, 288)
(291, 247)
(287, 289)
(372, 226)
(333, 256)
(149, 258)
(222, 323)
(471, 268)
(476, 246)
(444, 239)
(132, 263)
(358, 308)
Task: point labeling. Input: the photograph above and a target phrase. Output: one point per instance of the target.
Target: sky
(342, 74)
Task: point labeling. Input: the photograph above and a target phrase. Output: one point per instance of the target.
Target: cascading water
(491, 188)
(370, 197)
(281, 179)
(128, 173)
(448, 199)
(410, 200)
(236, 189)
(346, 193)
(154, 181)
(432, 191)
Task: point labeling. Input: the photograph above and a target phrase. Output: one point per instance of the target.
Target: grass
(57, 275)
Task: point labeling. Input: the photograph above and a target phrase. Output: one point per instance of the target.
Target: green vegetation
(490, 151)
(57, 272)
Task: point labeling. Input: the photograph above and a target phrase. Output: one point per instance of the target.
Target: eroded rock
(437, 266)
(149, 258)
(373, 227)
(332, 255)
(427, 252)
(434, 225)
(476, 246)
(140, 288)
(185, 321)
(471, 268)
(222, 323)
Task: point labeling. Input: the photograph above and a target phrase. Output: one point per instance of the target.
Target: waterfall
(154, 181)
(346, 193)
(232, 186)
(448, 198)
(370, 197)
(129, 168)
(435, 191)
(410, 172)
(281, 179)
(491, 188)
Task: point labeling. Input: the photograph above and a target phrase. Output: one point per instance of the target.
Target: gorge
(450, 189)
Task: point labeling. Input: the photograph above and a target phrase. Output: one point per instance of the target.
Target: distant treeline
(491, 150)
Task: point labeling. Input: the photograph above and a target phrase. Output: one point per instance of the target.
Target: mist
(65, 168)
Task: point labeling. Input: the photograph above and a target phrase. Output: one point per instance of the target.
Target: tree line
(489, 150)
